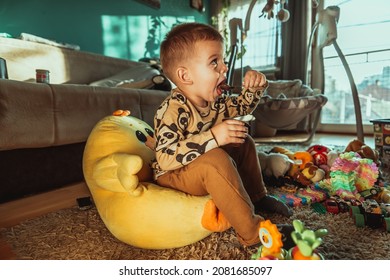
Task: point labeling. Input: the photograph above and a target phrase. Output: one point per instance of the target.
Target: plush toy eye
(141, 137)
(148, 131)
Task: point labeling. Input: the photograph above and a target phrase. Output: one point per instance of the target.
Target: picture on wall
(153, 3)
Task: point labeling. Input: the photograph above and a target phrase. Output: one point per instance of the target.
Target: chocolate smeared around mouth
(228, 89)
(225, 87)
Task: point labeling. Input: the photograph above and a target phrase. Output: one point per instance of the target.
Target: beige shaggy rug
(74, 234)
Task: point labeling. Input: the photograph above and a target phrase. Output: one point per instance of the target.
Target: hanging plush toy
(268, 11)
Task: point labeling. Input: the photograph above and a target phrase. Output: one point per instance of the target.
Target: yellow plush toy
(136, 211)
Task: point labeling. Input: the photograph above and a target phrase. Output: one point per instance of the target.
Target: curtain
(294, 41)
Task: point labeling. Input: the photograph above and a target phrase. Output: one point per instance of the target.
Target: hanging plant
(221, 22)
(152, 44)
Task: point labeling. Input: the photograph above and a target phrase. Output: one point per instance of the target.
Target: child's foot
(286, 230)
(272, 204)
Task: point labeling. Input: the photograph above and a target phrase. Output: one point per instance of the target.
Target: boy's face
(207, 70)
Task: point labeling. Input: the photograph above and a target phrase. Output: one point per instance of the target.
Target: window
(363, 39)
(261, 47)
(136, 37)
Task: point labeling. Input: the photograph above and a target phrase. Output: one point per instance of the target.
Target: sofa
(44, 127)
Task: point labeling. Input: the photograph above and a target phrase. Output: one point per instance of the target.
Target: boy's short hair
(179, 43)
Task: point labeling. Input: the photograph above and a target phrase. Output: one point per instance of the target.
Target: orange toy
(271, 240)
(300, 158)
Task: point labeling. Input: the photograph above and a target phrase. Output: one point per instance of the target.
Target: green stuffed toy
(116, 165)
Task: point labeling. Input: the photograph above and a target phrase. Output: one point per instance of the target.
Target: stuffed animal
(319, 154)
(309, 174)
(363, 150)
(313, 172)
(274, 164)
(331, 158)
(116, 165)
(300, 158)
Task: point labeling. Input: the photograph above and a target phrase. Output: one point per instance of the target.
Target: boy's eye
(214, 62)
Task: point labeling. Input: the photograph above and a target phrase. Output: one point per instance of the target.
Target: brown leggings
(232, 176)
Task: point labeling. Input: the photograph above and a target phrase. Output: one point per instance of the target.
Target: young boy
(200, 148)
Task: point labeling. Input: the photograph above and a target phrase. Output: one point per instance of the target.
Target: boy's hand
(253, 79)
(230, 131)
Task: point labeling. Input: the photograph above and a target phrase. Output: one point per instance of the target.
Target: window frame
(334, 127)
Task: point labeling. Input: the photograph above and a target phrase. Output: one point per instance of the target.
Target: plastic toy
(336, 205)
(301, 246)
(332, 206)
(307, 241)
(371, 192)
(372, 214)
(271, 240)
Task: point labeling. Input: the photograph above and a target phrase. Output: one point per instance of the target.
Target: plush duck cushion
(135, 210)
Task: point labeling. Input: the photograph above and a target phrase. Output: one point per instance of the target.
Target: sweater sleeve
(181, 137)
(246, 102)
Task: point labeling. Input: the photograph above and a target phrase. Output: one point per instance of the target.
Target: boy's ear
(183, 75)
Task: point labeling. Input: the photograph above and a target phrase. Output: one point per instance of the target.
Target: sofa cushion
(134, 77)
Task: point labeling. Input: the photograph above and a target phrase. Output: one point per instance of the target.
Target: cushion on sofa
(134, 77)
(65, 65)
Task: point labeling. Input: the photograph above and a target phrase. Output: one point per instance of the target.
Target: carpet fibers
(74, 234)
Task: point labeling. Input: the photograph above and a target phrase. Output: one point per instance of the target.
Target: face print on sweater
(195, 151)
(167, 137)
(176, 127)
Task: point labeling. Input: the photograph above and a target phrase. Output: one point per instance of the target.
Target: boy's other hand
(254, 79)
(230, 131)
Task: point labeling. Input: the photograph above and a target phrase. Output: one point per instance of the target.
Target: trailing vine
(152, 44)
(221, 22)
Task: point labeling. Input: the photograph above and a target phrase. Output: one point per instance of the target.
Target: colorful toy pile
(350, 175)
(331, 181)
(307, 177)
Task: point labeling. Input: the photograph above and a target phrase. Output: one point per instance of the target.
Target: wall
(80, 21)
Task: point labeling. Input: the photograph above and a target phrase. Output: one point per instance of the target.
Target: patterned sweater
(182, 131)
